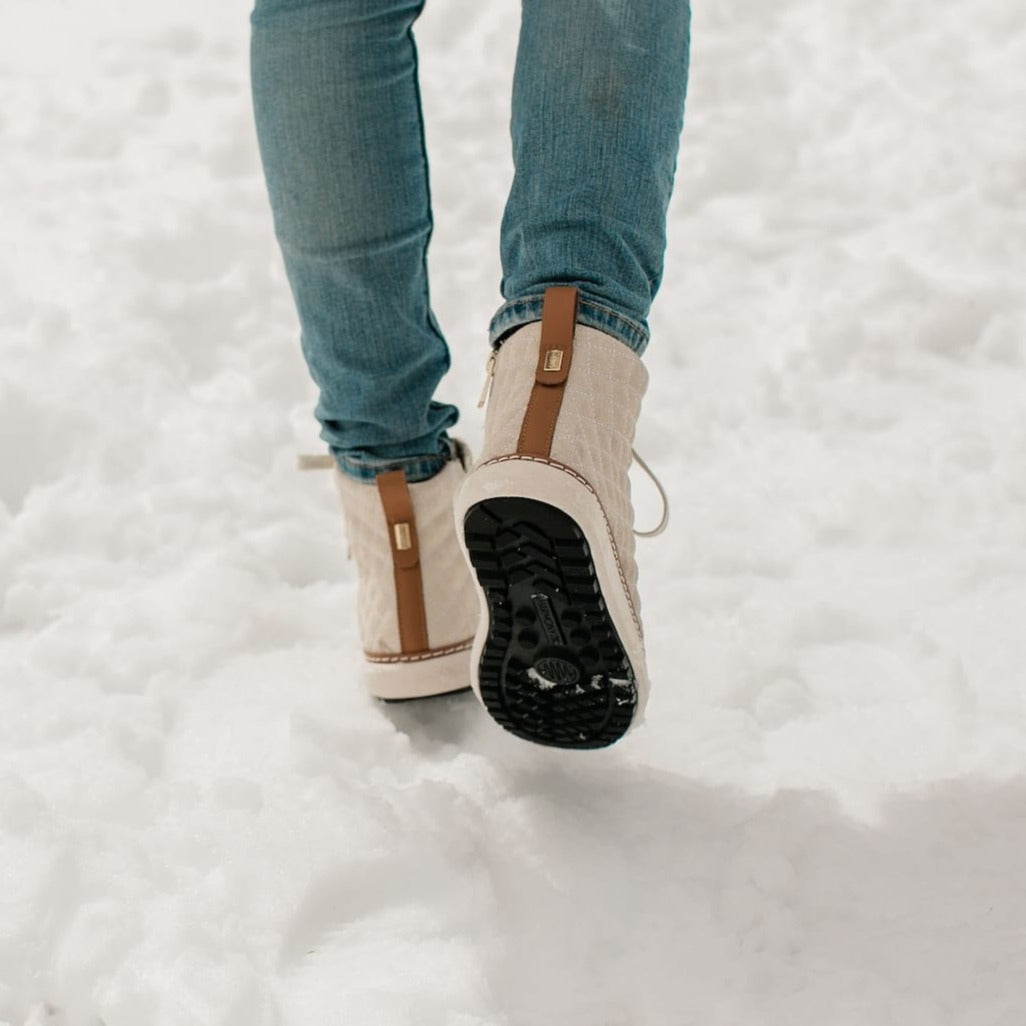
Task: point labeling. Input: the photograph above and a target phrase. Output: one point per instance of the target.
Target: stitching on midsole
(418, 657)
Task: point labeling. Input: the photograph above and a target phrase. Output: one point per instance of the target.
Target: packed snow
(204, 821)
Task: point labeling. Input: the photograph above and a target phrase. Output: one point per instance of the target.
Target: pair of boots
(517, 575)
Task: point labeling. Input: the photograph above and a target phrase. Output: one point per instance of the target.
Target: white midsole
(420, 678)
(537, 479)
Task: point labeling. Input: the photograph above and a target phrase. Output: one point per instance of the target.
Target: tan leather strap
(555, 352)
(402, 537)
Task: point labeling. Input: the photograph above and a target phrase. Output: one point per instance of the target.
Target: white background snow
(205, 822)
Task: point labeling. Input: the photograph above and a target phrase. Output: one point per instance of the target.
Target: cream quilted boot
(546, 523)
(417, 602)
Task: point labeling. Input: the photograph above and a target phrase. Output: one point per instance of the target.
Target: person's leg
(598, 101)
(339, 124)
(598, 107)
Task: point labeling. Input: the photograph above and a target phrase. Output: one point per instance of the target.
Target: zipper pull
(489, 374)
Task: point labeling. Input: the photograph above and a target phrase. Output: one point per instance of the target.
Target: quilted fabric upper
(595, 428)
(449, 598)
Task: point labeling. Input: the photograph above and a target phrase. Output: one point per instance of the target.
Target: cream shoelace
(318, 461)
(665, 518)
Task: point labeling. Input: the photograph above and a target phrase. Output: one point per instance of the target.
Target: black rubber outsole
(553, 669)
(425, 698)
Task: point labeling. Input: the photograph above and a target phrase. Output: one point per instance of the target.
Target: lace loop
(665, 519)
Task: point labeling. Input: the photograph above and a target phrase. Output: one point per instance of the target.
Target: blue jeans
(597, 111)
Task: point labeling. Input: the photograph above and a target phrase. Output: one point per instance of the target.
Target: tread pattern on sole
(553, 669)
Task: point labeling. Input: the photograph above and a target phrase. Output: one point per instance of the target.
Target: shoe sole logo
(547, 619)
(557, 671)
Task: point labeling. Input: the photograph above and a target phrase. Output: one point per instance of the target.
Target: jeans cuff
(417, 468)
(517, 312)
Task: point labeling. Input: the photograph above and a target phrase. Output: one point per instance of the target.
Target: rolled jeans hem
(526, 309)
(417, 468)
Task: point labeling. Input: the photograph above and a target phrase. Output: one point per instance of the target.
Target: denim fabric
(597, 111)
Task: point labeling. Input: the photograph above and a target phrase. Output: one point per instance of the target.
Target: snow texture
(203, 819)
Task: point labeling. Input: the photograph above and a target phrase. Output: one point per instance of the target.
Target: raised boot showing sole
(546, 524)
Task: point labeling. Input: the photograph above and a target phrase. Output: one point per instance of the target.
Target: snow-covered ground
(205, 822)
